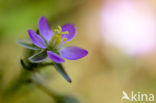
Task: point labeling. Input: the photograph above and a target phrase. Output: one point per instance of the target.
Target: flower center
(57, 38)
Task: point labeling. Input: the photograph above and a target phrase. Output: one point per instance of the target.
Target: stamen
(59, 28)
(56, 30)
(57, 38)
(66, 32)
(59, 31)
(64, 39)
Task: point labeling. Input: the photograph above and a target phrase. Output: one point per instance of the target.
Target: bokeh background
(120, 36)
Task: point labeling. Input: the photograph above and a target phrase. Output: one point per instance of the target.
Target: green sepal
(61, 70)
(28, 44)
(38, 57)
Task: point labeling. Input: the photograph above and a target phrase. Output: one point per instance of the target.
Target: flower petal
(73, 53)
(55, 57)
(38, 57)
(36, 39)
(71, 29)
(45, 29)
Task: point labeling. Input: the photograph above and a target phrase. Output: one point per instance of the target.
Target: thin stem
(40, 82)
(37, 79)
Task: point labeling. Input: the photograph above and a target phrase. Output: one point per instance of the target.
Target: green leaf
(28, 44)
(61, 70)
(38, 57)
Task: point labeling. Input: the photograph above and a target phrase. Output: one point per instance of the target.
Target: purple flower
(51, 43)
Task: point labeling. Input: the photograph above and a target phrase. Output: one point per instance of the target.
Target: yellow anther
(64, 39)
(55, 30)
(58, 30)
(66, 32)
(57, 38)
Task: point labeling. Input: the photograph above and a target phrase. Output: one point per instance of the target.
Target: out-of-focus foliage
(19, 15)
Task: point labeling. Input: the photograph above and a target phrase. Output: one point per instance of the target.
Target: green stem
(40, 82)
(36, 77)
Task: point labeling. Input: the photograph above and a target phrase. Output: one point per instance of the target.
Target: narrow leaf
(28, 44)
(61, 70)
(38, 57)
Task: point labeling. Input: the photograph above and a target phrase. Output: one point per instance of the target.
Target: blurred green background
(98, 78)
